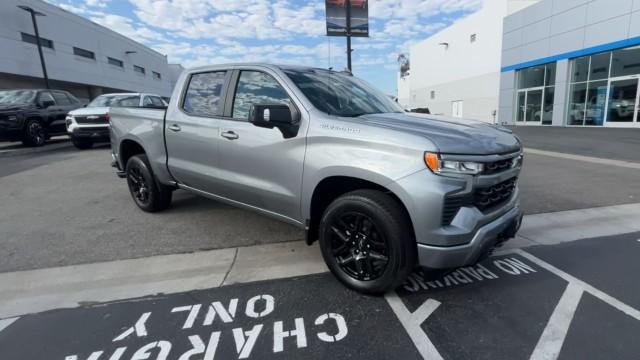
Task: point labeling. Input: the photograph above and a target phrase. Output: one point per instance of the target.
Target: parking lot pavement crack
(233, 263)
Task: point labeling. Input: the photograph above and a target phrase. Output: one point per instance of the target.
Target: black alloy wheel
(139, 186)
(149, 194)
(34, 134)
(367, 241)
(360, 249)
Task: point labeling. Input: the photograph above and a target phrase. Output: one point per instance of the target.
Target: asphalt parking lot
(570, 300)
(542, 302)
(66, 207)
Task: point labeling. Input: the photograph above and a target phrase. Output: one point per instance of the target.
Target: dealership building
(562, 63)
(81, 56)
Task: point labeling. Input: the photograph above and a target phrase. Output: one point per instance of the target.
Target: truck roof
(267, 65)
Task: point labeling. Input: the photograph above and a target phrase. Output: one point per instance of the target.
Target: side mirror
(274, 115)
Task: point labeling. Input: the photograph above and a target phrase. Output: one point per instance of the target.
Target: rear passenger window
(203, 97)
(61, 98)
(256, 87)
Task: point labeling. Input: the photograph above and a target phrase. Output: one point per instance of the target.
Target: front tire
(367, 241)
(34, 133)
(147, 193)
(82, 144)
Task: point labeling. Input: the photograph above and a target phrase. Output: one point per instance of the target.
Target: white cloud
(217, 19)
(126, 27)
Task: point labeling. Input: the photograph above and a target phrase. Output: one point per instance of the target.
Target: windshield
(116, 101)
(17, 96)
(341, 94)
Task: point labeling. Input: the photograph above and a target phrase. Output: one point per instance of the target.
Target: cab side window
(129, 101)
(61, 98)
(255, 87)
(156, 101)
(204, 94)
(45, 97)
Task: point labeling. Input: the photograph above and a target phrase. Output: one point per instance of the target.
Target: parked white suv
(90, 124)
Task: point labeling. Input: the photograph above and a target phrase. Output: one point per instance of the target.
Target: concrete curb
(40, 290)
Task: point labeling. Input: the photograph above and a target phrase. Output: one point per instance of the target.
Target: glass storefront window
(577, 102)
(622, 100)
(536, 94)
(547, 114)
(626, 62)
(531, 77)
(580, 69)
(596, 100)
(521, 104)
(604, 88)
(550, 74)
(599, 68)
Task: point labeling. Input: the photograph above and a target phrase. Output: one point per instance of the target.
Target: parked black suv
(34, 115)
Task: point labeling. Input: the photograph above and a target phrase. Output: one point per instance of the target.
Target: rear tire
(367, 241)
(82, 144)
(147, 193)
(34, 133)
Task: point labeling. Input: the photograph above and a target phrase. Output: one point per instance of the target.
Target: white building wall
(67, 30)
(554, 30)
(462, 70)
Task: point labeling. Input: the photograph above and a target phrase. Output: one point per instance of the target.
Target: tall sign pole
(35, 13)
(348, 26)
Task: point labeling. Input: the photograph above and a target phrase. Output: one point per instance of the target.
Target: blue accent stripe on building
(574, 54)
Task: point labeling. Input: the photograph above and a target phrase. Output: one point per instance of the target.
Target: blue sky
(199, 32)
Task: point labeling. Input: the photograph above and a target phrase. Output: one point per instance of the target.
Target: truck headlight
(439, 166)
(70, 121)
(12, 118)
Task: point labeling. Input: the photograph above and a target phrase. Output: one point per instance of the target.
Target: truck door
(192, 130)
(260, 167)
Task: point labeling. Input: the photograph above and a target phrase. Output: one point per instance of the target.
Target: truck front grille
(92, 120)
(486, 199)
(498, 166)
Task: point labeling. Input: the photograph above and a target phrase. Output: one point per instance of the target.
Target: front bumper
(452, 239)
(486, 239)
(98, 134)
(10, 130)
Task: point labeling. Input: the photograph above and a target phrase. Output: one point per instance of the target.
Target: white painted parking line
(555, 332)
(4, 323)
(553, 336)
(634, 313)
(594, 160)
(412, 321)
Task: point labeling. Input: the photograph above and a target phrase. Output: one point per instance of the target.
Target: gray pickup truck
(382, 190)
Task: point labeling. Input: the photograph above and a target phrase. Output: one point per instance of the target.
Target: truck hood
(450, 135)
(89, 111)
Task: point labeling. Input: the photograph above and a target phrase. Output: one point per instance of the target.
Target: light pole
(35, 13)
(348, 26)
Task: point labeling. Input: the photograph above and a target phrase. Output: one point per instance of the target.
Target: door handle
(175, 127)
(230, 135)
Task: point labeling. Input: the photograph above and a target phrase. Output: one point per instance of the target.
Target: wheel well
(129, 148)
(38, 118)
(330, 189)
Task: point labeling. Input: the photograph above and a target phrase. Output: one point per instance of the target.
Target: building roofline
(102, 27)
